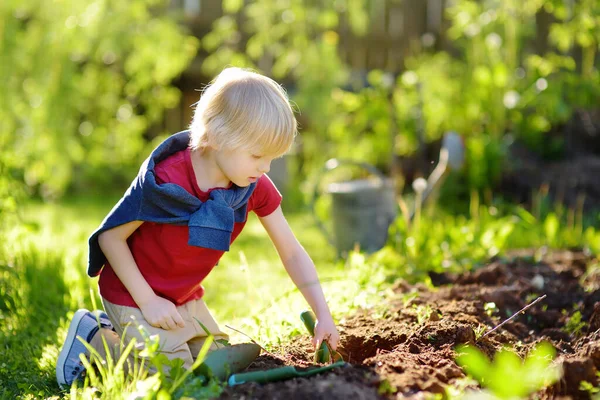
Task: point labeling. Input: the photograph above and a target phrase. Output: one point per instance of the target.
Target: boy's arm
(301, 269)
(159, 312)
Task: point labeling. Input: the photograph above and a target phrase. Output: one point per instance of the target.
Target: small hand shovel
(279, 374)
(324, 353)
(228, 360)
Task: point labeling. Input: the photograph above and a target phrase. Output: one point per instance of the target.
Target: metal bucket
(361, 210)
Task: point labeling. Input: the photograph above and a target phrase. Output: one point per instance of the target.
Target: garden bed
(409, 352)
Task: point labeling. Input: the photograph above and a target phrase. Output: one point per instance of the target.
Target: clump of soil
(409, 353)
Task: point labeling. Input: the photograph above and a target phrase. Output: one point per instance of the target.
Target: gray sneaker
(85, 325)
(101, 316)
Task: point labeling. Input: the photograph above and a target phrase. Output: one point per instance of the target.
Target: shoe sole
(62, 357)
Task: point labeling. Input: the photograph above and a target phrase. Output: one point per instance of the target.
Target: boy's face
(243, 167)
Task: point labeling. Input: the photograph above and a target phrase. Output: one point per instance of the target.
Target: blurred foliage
(436, 241)
(360, 126)
(493, 88)
(86, 81)
(295, 42)
(82, 83)
(507, 376)
(496, 90)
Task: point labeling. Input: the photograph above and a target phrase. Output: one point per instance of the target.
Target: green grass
(43, 279)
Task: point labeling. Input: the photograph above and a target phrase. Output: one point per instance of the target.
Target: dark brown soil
(402, 356)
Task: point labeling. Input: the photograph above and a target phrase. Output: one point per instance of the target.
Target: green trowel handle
(309, 321)
(278, 374)
(321, 355)
(271, 375)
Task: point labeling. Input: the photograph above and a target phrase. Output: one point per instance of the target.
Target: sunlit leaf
(232, 6)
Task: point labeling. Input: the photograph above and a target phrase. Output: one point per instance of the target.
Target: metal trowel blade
(228, 360)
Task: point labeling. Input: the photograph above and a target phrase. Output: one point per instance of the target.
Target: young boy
(189, 201)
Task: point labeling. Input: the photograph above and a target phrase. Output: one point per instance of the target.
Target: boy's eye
(256, 156)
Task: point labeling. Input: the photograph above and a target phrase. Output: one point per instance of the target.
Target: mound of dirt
(409, 353)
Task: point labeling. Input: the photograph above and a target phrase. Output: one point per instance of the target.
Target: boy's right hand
(161, 313)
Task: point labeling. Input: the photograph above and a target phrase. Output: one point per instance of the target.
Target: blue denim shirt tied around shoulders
(210, 223)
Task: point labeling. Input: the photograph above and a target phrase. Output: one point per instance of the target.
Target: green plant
(446, 243)
(507, 376)
(121, 379)
(423, 312)
(407, 298)
(82, 83)
(490, 308)
(220, 342)
(361, 121)
(112, 378)
(589, 388)
(574, 324)
(500, 87)
(386, 388)
(294, 41)
(479, 331)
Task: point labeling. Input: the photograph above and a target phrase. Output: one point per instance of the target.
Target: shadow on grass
(33, 298)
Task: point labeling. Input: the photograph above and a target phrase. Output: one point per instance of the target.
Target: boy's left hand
(325, 330)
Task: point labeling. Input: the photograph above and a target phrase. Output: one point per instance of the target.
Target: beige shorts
(184, 343)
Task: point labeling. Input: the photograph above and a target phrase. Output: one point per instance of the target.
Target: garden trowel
(228, 360)
(324, 354)
(279, 374)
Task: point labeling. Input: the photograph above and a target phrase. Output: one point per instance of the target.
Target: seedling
(407, 298)
(574, 324)
(507, 376)
(522, 310)
(531, 297)
(479, 331)
(386, 388)
(490, 308)
(423, 313)
(588, 387)
(218, 343)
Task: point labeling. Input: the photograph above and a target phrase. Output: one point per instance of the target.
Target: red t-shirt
(172, 268)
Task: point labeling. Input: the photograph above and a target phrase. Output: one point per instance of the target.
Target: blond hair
(243, 109)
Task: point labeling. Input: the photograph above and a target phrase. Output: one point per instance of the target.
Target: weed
(589, 388)
(423, 313)
(507, 376)
(218, 343)
(479, 331)
(490, 308)
(574, 324)
(407, 298)
(385, 387)
(531, 297)
(129, 377)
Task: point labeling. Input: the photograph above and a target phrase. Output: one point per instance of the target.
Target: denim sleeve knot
(210, 223)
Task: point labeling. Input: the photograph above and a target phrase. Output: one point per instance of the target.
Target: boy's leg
(85, 325)
(173, 343)
(113, 345)
(195, 311)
